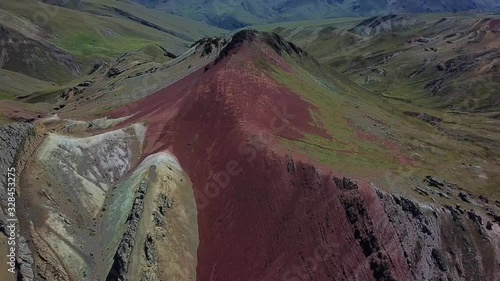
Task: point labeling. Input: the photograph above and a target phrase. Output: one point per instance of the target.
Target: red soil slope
(494, 25)
(263, 214)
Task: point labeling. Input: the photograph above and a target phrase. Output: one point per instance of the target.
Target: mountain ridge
(236, 14)
(238, 161)
(243, 159)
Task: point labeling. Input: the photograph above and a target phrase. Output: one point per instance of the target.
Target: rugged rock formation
(91, 208)
(12, 141)
(384, 24)
(269, 215)
(195, 182)
(442, 243)
(119, 268)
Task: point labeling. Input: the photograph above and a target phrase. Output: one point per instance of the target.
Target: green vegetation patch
(345, 151)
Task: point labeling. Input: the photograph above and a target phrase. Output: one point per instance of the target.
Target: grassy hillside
(49, 49)
(13, 84)
(185, 28)
(99, 31)
(437, 60)
(371, 135)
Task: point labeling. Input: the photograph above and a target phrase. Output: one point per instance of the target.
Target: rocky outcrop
(12, 140)
(442, 243)
(384, 24)
(209, 45)
(273, 40)
(119, 269)
(360, 220)
(25, 260)
(49, 267)
(434, 121)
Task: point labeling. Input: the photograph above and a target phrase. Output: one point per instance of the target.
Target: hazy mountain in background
(231, 14)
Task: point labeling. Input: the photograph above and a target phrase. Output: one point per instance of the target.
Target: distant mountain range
(232, 14)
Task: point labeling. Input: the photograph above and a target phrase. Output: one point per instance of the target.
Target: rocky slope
(302, 214)
(385, 24)
(216, 177)
(14, 145)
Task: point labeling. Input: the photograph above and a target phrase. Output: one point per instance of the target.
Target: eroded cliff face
(444, 242)
(14, 142)
(436, 242)
(269, 213)
(95, 208)
(278, 218)
(283, 219)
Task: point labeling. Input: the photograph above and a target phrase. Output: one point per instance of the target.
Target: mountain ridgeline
(236, 14)
(209, 174)
(151, 145)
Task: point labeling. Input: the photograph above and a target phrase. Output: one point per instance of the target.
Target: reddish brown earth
(263, 214)
(392, 146)
(494, 25)
(18, 111)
